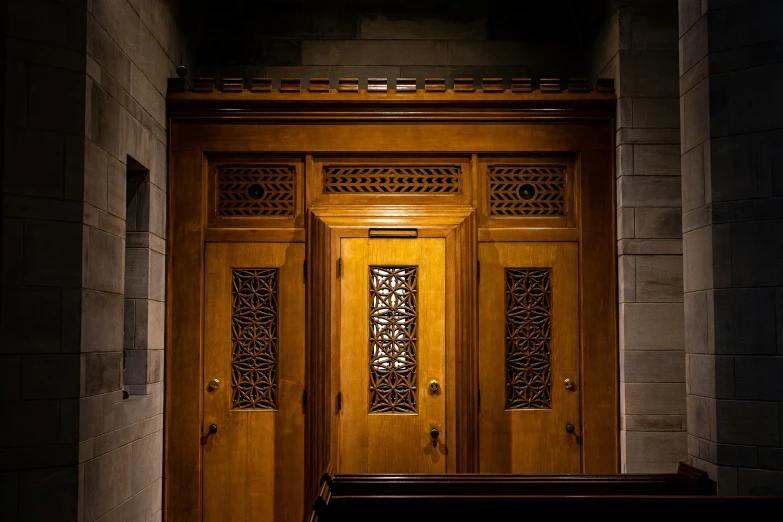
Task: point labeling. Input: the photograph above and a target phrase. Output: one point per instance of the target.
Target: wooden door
(253, 465)
(529, 346)
(392, 348)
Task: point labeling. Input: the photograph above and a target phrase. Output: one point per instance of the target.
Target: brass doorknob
(213, 384)
(434, 386)
(569, 384)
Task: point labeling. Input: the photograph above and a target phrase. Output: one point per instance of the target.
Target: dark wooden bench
(412, 498)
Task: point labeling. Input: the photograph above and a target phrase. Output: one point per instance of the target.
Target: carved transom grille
(522, 190)
(254, 339)
(392, 180)
(528, 338)
(393, 339)
(255, 190)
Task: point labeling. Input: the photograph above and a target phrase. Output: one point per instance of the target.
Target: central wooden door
(392, 356)
(253, 457)
(529, 420)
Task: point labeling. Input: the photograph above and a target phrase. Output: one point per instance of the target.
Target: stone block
(117, 186)
(34, 151)
(153, 62)
(157, 211)
(50, 376)
(102, 372)
(9, 497)
(779, 313)
(759, 378)
(647, 136)
(134, 409)
(103, 119)
(649, 73)
(693, 179)
(701, 416)
(129, 325)
(625, 112)
(654, 29)
(155, 362)
(107, 482)
(659, 279)
(653, 422)
(650, 191)
(734, 455)
(45, 54)
(658, 223)
(11, 377)
(656, 113)
(137, 273)
(747, 422)
(695, 75)
(159, 169)
(654, 452)
(56, 99)
(743, 23)
(380, 27)
(137, 142)
(759, 482)
(695, 115)
(698, 259)
(770, 458)
(652, 326)
(36, 423)
(157, 276)
(145, 93)
(104, 257)
(49, 494)
(693, 45)
(701, 374)
(71, 320)
(749, 101)
(654, 398)
(12, 262)
(389, 52)
(626, 279)
(51, 253)
(624, 160)
(745, 321)
(745, 166)
(144, 505)
(652, 366)
(69, 420)
(689, 14)
(31, 320)
(147, 461)
(102, 322)
(757, 253)
(656, 160)
(96, 176)
(625, 223)
(136, 362)
(126, 435)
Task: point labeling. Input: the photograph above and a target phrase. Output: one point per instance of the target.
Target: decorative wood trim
(261, 85)
(406, 84)
(319, 84)
(435, 85)
(377, 85)
(233, 85)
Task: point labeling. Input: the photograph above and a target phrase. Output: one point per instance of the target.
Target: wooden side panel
(184, 295)
(598, 305)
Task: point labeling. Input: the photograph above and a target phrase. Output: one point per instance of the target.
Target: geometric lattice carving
(393, 339)
(528, 338)
(521, 190)
(392, 180)
(254, 338)
(255, 190)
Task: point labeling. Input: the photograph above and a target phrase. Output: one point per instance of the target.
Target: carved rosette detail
(392, 180)
(528, 338)
(254, 326)
(393, 339)
(527, 191)
(255, 191)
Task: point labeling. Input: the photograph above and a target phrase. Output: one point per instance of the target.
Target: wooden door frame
(266, 123)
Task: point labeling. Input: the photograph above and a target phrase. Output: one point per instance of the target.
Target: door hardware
(569, 384)
(213, 385)
(434, 386)
(213, 428)
(394, 232)
(570, 428)
(339, 401)
(434, 433)
(339, 267)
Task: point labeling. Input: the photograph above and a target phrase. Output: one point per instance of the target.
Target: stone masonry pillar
(731, 112)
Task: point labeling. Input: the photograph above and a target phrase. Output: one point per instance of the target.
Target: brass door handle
(434, 386)
(569, 384)
(213, 385)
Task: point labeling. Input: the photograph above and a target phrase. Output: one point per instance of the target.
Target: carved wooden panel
(395, 179)
(254, 326)
(527, 190)
(255, 190)
(393, 339)
(528, 338)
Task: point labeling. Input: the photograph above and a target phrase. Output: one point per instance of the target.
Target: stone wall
(81, 362)
(731, 67)
(391, 40)
(638, 47)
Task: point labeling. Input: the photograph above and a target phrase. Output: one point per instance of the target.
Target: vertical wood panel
(598, 304)
(184, 295)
